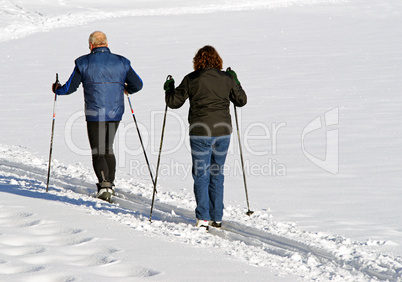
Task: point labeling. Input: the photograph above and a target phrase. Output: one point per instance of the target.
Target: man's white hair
(98, 38)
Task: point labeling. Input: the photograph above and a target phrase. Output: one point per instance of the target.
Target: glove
(55, 86)
(169, 84)
(232, 74)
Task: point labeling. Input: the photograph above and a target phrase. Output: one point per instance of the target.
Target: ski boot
(202, 224)
(216, 224)
(105, 190)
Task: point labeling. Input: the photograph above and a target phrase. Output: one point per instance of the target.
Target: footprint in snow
(40, 249)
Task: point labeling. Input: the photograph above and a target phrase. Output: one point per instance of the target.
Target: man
(210, 91)
(105, 78)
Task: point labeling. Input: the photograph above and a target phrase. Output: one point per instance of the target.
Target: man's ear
(91, 46)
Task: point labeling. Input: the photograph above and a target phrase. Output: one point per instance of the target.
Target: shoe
(202, 224)
(105, 190)
(216, 224)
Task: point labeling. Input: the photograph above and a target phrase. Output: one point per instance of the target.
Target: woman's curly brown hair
(207, 56)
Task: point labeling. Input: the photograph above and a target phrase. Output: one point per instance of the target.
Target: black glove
(169, 84)
(55, 86)
(233, 74)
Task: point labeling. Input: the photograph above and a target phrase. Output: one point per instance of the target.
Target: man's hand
(125, 90)
(55, 86)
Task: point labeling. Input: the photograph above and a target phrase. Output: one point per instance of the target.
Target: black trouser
(101, 137)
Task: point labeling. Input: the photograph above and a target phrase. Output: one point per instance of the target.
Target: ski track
(25, 21)
(258, 240)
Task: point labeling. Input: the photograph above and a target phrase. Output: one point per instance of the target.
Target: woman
(210, 91)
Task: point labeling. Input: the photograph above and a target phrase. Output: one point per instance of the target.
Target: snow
(320, 133)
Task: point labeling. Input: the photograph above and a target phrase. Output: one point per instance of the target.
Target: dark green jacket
(210, 92)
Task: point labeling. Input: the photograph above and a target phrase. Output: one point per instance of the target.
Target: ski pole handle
(56, 84)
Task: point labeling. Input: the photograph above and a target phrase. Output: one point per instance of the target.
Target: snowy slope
(34, 247)
(297, 60)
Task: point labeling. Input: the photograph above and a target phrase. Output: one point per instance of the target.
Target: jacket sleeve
(133, 81)
(175, 98)
(72, 83)
(237, 94)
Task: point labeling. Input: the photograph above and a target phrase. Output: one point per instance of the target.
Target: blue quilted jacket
(104, 76)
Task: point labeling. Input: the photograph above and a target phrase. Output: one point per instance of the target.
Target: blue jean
(208, 156)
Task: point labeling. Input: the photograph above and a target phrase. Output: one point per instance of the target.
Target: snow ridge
(23, 21)
(257, 240)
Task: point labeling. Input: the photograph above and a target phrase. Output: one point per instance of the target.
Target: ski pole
(249, 212)
(159, 157)
(51, 138)
(142, 144)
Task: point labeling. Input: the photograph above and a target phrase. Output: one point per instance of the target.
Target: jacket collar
(100, 50)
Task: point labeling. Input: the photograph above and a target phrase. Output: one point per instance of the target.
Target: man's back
(103, 76)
